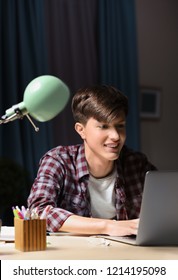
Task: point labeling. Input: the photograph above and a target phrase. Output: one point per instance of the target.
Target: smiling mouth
(112, 146)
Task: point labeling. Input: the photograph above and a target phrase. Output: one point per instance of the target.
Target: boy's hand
(122, 228)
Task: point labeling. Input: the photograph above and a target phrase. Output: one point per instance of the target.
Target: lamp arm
(4, 119)
(17, 115)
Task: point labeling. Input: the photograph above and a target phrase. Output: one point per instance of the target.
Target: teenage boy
(94, 187)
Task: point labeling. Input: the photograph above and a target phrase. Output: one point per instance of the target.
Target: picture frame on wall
(150, 103)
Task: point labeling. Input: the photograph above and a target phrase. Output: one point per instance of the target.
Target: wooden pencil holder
(30, 235)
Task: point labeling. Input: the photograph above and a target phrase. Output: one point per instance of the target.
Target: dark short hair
(101, 102)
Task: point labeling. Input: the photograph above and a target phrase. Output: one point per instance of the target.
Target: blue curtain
(118, 56)
(23, 57)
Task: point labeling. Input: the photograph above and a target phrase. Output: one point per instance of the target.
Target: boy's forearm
(84, 225)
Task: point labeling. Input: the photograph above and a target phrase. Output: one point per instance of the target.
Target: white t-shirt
(102, 196)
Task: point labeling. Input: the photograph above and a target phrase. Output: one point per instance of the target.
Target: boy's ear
(80, 129)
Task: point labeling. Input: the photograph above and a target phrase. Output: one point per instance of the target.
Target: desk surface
(88, 248)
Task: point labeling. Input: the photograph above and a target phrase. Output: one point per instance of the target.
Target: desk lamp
(44, 98)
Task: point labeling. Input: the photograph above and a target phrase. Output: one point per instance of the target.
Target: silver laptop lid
(159, 210)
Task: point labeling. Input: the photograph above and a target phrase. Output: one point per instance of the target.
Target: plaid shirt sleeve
(45, 191)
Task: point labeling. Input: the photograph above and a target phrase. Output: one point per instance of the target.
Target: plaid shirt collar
(81, 163)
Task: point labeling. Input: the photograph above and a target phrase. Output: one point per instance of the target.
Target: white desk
(88, 248)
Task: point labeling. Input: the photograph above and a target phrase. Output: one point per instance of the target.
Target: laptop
(158, 225)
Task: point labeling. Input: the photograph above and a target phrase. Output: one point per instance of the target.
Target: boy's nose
(115, 134)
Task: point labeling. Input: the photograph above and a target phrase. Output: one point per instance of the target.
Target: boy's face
(103, 140)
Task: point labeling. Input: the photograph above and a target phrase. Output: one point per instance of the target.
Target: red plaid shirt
(62, 182)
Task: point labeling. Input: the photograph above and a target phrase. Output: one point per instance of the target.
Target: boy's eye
(106, 126)
(121, 126)
(103, 126)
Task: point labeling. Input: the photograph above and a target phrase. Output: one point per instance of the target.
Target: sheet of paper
(7, 234)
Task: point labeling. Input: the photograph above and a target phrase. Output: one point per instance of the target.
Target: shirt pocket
(74, 203)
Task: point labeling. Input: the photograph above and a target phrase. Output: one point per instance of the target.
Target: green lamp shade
(44, 98)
